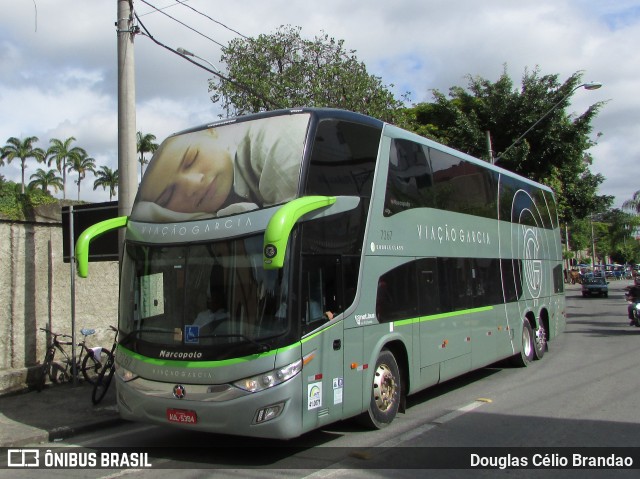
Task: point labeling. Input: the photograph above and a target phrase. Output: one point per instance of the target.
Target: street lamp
(187, 53)
(587, 86)
(593, 247)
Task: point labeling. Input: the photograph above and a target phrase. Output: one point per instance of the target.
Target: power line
(240, 86)
(183, 3)
(161, 8)
(181, 23)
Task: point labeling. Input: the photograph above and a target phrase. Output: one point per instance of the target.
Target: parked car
(595, 285)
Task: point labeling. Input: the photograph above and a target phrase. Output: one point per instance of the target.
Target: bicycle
(103, 381)
(89, 361)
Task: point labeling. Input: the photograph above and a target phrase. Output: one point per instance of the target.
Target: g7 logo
(532, 266)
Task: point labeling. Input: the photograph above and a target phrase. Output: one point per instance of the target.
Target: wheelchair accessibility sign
(191, 334)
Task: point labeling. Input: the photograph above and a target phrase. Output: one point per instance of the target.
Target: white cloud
(58, 71)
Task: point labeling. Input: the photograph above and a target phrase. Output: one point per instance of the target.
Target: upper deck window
(343, 159)
(223, 170)
(423, 177)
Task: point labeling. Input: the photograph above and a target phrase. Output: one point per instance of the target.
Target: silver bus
(289, 269)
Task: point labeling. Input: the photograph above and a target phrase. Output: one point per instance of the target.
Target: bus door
(445, 331)
(323, 339)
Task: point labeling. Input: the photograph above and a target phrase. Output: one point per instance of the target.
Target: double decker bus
(289, 269)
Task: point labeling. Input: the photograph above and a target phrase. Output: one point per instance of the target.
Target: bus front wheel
(385, 392)
(527, 352)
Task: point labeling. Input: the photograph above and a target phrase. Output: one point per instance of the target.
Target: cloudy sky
(58, 65)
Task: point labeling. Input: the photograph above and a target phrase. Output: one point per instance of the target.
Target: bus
(285, 270)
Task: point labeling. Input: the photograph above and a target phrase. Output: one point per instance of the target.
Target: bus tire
(539, 341)
(526, 354)
(386, 391)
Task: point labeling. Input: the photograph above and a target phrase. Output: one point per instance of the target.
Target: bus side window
(396, 296)
(409, 178)
(319, 290)
(428, 287)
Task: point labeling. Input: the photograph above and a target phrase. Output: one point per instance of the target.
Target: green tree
(553, 153)
(580, 237)
(23, 150)
(633, 204)
(61, 152)
(107, 178)
(285, 70)
(45, 179)
(81, 163)
(145, 144)
(619, 242)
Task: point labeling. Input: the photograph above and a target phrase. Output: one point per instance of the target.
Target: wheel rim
(541, 338)
(526, 341)
(384, 388)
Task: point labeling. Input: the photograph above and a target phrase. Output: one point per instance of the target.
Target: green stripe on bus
(452, 314)
(244, 359)
(202, 364)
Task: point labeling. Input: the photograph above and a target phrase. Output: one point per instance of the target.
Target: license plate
(182, 416)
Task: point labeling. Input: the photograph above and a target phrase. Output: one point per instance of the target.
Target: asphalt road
(582, 394)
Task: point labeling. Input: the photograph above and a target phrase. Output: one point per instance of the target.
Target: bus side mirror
(88, 235)
(281, 223)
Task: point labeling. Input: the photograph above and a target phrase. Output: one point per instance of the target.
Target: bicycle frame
(87, 364)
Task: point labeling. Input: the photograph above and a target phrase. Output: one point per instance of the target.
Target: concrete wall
(35, 292)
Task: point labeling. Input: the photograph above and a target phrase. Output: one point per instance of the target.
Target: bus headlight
(125, 374)
(270, 379)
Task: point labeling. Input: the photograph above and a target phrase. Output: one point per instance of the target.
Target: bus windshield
(204, 302)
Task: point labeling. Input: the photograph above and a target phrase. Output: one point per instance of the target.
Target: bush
(16, 206)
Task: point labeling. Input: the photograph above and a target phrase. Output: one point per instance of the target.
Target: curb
(65, 432)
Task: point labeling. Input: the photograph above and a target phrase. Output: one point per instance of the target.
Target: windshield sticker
(152, 294)
(191, 334)
(314, 396)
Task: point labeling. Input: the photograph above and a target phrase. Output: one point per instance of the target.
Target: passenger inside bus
(215, 313)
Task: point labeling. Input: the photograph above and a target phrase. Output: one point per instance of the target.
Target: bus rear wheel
(526, 354)
(540, 341)
(386, 390)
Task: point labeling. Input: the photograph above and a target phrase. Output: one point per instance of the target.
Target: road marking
(459, 412)
(364, 454)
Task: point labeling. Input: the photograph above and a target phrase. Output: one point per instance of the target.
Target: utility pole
(127, 171)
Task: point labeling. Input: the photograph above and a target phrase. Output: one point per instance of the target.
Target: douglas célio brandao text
(549, 460)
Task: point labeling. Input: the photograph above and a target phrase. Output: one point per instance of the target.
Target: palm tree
(633, 204)
(61, 152)
(145, 145)
(46, 179)
(81, 162)
(24, 150)
(106, 177)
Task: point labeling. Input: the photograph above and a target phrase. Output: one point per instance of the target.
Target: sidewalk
(56, 413)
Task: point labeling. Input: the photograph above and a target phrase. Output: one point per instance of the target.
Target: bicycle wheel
(92, 365)
(59, 374)
(44, 371)
(103, 381)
